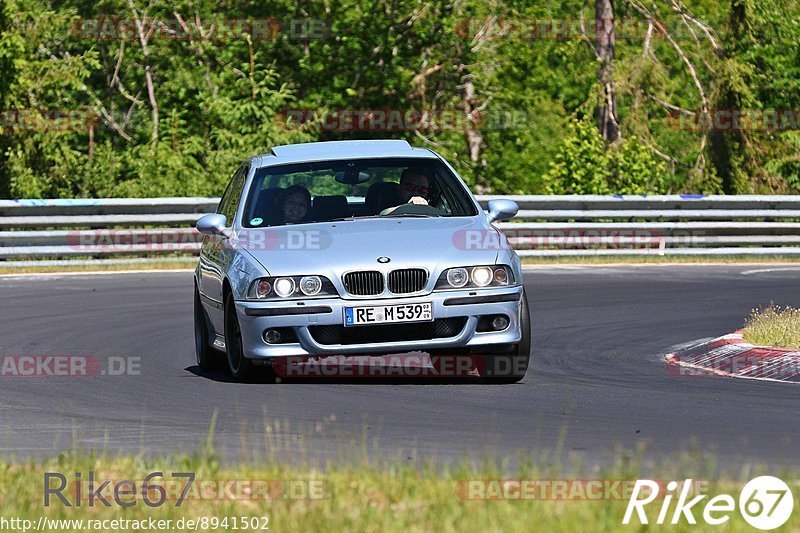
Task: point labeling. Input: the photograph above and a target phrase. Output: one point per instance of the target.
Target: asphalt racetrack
(597, 380)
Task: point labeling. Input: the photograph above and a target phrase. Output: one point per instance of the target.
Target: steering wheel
(417, 209)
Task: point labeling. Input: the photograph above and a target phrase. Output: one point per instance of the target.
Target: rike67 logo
(765, 503)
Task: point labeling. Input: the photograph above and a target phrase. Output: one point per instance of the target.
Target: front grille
(364, 283)
(441, 328)
(407, 280)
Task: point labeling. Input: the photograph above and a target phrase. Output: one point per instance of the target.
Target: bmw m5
(360, 248)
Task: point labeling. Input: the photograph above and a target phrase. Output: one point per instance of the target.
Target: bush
(585, 165)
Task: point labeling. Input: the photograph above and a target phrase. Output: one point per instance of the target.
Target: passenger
(414, 189)
(295, 205)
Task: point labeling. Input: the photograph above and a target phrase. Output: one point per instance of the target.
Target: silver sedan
(363, 248)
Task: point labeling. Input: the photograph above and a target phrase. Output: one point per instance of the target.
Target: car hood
(333, 248)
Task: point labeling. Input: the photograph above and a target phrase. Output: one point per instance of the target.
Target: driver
(414, 189)
(295, 205)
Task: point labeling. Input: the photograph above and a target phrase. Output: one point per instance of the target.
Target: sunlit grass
(365, 496)
(654, 259)
(188, 263)
(166, 264)
(372, 491)
(774, 326)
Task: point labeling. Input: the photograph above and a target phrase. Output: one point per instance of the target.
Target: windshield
(337, 190)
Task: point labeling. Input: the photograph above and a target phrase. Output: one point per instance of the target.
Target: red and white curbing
(731, 356)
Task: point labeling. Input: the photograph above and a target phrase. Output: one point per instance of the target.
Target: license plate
(382, 314)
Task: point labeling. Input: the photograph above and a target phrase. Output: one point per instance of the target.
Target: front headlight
(482, 276)
(475, 277)
(457, 277)
(310, 285)
(286, 287)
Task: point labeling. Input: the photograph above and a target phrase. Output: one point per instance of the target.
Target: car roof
(328, 150)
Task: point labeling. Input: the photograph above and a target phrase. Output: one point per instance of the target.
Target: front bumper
(257, 317)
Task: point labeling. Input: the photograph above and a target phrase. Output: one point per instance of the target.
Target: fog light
(499, 323)
(272, 336)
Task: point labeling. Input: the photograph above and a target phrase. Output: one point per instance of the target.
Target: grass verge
(167, 264)
(774, 326)
(189, 263)
(655, 260)
(392, 496)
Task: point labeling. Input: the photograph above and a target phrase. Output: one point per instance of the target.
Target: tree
(504, 89)
(605, 43)
(9, 52)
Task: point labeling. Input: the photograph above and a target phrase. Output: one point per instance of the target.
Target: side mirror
(502, 209)
(213, 224)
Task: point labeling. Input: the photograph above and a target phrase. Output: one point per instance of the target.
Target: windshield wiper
(390, 215)
(344, 219)
(410, 215)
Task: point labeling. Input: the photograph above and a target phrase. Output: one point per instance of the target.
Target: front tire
(519, 354)
(207, 358)
(240, 367)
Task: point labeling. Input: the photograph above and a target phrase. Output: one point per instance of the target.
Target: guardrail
(546, 226)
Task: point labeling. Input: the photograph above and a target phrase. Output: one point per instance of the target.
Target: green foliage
(637, 170)
(786, 162)
(584, 165)
(511, 101)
